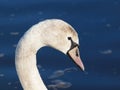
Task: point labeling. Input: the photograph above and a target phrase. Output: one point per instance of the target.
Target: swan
(54, 33)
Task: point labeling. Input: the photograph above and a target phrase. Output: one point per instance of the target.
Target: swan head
(63, 37)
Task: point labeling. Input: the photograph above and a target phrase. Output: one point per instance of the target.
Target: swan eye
(69, 38)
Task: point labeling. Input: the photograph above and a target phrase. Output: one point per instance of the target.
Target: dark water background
(98, 25)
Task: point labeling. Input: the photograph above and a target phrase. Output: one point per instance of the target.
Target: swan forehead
(65, 29)
(58, 30)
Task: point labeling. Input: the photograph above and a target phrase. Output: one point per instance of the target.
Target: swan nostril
(77, 53)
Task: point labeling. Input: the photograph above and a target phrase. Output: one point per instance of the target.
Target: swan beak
(74, 54)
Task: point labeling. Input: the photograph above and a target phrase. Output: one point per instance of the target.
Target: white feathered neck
(52, 33)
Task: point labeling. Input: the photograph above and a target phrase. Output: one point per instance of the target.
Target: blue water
(98, 25)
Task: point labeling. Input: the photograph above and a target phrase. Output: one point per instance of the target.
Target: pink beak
(74, 54)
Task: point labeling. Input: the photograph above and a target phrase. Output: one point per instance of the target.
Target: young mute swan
(54, 33)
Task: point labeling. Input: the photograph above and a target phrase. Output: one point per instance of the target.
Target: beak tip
(83, 68)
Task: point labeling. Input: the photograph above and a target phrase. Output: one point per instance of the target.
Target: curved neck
(25, 61)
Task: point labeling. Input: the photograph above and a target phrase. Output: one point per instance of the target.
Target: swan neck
(25, 61)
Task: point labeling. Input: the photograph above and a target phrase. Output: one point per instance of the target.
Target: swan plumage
(55, 33)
